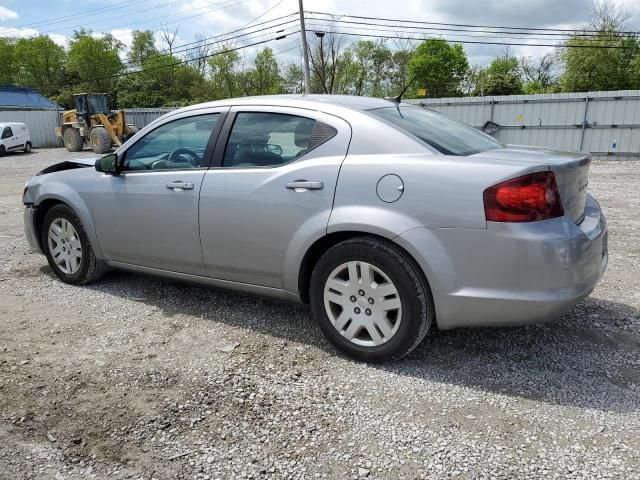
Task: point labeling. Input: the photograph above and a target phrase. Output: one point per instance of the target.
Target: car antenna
(398, 98)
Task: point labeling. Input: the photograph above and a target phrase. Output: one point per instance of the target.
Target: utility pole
(305, 48)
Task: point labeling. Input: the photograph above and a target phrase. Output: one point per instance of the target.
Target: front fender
(61, 192)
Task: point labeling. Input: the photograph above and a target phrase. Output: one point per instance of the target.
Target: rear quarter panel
(439, 192)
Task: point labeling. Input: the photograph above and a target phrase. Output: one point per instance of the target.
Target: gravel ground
(136, 377)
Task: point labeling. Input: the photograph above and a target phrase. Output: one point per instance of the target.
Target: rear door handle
(301, 185)
(177, 186)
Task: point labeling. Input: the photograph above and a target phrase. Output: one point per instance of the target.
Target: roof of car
(349, 101)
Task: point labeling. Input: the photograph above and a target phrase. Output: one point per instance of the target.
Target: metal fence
(607, 124)
(42, 123)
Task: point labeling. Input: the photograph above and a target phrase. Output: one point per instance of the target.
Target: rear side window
(262, 139)
(443, 133)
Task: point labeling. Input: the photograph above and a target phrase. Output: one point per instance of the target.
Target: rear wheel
(73, 141)
(100, 140)
(370, 300)
(67, 247)
(27, 147)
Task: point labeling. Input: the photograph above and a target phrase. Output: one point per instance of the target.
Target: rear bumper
(511, 274)
(30, 232)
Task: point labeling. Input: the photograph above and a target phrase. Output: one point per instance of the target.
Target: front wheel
(67, 247)
(370, 300)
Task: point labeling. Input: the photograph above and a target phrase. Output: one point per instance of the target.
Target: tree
(38, 62)
(609, 65)
(223, 74)
(325, 62)
(540, 74)
(293, 79)
(143, 46)
(501, 77)
(264, 78)
(439, 67)
(7, 49)
(369, 65)
(93, 61)
(198, 55)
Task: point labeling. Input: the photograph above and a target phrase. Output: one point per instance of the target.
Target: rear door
(270, 191)
(148, 215)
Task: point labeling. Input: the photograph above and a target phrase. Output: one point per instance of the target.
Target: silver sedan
(388, 219)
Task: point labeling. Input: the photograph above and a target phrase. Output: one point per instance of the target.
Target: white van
(15, 136)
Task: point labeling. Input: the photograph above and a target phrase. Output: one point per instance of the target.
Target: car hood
(70, 165)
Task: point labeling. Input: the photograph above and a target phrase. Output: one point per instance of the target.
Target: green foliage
(590, 69)
(501, 77)
(293, 79)
(368, 66)
(93, 61)
(142, 47)
(7, 52)
(264, 78)
(39, 62)
(439, 67)
(162, 81)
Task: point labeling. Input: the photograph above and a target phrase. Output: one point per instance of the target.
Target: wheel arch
(47, 202)
(320, 246)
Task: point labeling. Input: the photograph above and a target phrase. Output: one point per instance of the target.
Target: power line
(225, 38)
(198, 43)
(395, 37)
(501, 33)
(129, 14)
(181, 62)
(390, 28)
(467, 25)
(85, 13)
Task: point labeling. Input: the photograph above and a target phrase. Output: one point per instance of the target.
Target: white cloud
(6, 14)
(18, 33)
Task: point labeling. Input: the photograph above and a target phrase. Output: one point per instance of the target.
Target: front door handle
(302, 185)
(177, 186)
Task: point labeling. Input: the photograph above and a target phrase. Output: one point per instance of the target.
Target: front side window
(7, 132)
(176, 145)
(443, 133)
(261, 139)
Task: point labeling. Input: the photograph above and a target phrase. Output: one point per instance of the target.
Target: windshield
(98, 104)
(441, 132)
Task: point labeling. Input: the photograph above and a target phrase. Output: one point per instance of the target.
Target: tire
(100, 140)
(3, 151)
(132, 131)
(73, 141)
(405, 326)
(27, 147)
(76, 272)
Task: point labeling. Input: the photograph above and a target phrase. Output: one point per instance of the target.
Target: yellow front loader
(92, 122)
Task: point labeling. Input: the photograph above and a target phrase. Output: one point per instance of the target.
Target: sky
(208, 18)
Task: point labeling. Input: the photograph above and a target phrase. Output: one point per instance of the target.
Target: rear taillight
(524, 199)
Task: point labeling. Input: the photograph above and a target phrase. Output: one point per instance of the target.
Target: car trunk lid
(571, 170)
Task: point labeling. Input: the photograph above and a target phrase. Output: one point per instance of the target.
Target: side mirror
(108, 164)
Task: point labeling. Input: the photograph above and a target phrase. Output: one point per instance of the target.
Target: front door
(271, 191)
(9, 139)
(148, 215)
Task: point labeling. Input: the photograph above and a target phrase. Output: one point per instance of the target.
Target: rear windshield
(443, 133)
